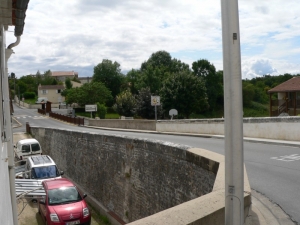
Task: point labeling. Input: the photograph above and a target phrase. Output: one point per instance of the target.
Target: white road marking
(287, 158)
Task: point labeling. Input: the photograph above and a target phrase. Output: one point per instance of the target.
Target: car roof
(57, 183)
(41, 160)
(28, 141)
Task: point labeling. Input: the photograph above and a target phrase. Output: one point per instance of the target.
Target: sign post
(155, 100)
(91, 108)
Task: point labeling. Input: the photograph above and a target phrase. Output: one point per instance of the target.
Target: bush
(101, 110)
(29, 95)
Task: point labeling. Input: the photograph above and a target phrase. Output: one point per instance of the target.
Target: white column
(233, 109)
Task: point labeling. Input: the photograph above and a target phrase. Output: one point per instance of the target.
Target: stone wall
(134, 178)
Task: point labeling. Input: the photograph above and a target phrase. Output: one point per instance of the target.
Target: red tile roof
(291, 85)
(63, 73)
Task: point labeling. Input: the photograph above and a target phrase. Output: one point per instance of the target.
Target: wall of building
(134, 178)
(6, 214)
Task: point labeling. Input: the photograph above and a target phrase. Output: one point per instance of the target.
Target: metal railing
(69, 119)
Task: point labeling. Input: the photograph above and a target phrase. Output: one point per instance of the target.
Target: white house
(51, 92)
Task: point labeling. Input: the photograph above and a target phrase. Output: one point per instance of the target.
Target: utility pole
(233, 109)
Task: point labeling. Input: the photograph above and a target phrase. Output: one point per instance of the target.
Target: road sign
(91, 108)
(155, 100)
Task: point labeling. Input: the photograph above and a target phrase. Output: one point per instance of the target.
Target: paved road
(273, 170)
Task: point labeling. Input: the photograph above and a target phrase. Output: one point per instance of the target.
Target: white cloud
(78, 34)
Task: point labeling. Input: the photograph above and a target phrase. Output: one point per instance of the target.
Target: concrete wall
(124, 124)
(137, 178)
(282, 128)
(32, 106)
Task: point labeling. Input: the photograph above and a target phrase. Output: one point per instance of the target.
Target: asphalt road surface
(273, 170)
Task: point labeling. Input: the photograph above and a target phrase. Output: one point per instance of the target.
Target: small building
(51, 92)
(288, 98)
(84, 80)
(62, 75)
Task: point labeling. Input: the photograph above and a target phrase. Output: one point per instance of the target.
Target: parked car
(40, 167)
(27, 147)
(63, 204)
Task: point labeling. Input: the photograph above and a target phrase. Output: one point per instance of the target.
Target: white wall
(6, 216)
(281, 128)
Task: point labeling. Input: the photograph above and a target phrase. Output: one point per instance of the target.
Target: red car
(63, 204)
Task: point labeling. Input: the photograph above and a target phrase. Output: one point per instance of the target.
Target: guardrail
(69, 119)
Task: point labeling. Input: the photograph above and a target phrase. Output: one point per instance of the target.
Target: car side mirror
(42, 201)
(84, 195)
(61, 172)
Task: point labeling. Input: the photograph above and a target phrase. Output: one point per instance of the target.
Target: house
(84, 80)
(62, 75)
(288, 98)
(51, 92)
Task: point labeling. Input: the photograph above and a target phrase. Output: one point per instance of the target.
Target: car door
(43, 207)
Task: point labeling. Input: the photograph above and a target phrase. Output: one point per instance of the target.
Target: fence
(42, 111)
(69, 119)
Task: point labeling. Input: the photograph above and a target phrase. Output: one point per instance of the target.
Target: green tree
(131, 80)
(88, 93)
(185, 92)
(203, 68)
(248, 94)
(68, 83)
(143, 105)
(22, 87)
(154, 71)
(47, 79)
(125, 104)
(101, 110)
(109, 74)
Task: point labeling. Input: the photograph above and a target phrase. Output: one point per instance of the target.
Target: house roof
(291, 85)
(13, 12)
(63, 73)
(47, 87)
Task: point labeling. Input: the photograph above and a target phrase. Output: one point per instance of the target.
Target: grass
(100, 219)
(30, 101)
(107, 116)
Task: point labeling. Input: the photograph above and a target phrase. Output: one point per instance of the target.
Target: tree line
(193, 92)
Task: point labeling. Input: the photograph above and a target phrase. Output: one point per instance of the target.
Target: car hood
(68, 211)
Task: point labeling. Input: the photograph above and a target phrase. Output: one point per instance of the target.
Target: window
(44, 92)
(58, 91)
(26, 148)
(35, 147)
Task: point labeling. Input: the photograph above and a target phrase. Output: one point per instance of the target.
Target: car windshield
(44, 172)
(63, 195)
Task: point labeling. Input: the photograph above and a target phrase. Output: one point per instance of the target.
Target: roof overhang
(13, 13)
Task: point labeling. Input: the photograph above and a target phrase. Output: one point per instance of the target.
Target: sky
(76, 35)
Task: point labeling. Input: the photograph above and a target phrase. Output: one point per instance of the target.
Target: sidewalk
(263, 211)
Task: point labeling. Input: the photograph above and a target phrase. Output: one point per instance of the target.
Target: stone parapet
(138, 179)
